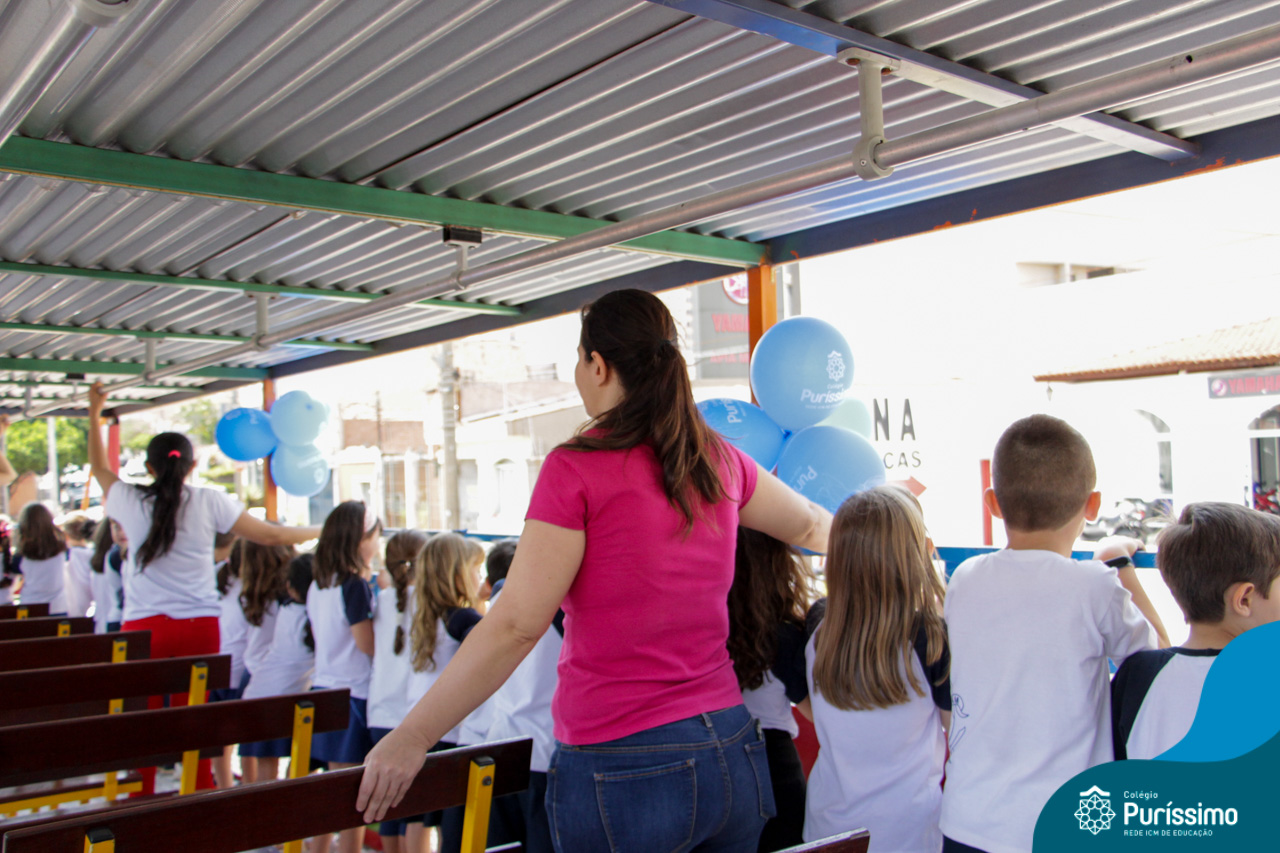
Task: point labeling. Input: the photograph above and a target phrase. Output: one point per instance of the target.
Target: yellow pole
(22, 613)
(99, 841)
(195, 696)
(64, 629)
(475, 822)
(300, 754)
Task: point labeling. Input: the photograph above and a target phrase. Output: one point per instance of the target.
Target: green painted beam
(125, 368)
(143, 334)
(31, 383)
(160, 174)
(243, 287)
(41, 400)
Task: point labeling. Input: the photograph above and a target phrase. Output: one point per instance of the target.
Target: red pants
(172, 638)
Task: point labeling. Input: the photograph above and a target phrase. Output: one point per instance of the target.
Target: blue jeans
(696, 784)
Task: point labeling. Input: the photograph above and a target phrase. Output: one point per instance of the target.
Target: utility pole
(449, 420)
(51, 438)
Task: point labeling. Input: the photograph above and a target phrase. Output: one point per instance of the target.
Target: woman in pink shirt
(631, 530)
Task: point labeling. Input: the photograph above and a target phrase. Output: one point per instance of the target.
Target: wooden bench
(61, 693)
(23, 611)
(69, 651)
(253, 816)
(856, 841)
(44, 626)
(46, 752)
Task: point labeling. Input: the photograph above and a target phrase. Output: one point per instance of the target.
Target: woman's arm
(264, 533)
(541, 573)
(778, 511)
(99, 466)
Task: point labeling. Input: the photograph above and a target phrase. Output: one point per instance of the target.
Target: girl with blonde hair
(878, 671)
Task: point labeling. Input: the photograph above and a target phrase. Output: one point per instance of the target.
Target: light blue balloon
(826, 464)
(800, 371)
(851, 414)
(746, 427)
(297, 418)
(299, 470)
(245, 434)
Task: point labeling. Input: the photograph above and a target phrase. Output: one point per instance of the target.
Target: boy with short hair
(1031, 630)
(1222, 564)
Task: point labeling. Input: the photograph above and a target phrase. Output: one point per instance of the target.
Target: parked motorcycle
(1133, 517)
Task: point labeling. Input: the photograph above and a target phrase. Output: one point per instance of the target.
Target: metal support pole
(263, 325)
(195, 696)
(149, 347)
(871, 70)
(78, 21)
(475, 819)
(51, 459)
(1153, 79)
(270, 493)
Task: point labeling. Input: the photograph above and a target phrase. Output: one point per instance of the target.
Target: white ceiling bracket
(871, 68)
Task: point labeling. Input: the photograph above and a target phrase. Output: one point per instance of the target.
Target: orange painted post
(762, 302)
(269, 483)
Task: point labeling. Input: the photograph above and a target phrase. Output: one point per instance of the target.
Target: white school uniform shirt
(1154, 698)
(181, 583)
(44, 581)
(450, 633)
(784, 682)
(522, 705)
(332, 611)
(1030, 635)
(78, 581)
(108, 591)
(233, 630)
(389, 680)
(289, 663)
(258, 639)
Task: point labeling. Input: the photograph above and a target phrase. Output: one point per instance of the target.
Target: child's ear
(1240, 599)
(1093, 505)
(992, 505)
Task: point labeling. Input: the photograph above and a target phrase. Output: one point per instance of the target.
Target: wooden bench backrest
(253, 816)
(43, 752)
(856, 841)
(10, 611)
(43, 626)
(69, 651)
(63, 693)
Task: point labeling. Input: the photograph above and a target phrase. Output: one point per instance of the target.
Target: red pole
(986, 513)
(113, 445)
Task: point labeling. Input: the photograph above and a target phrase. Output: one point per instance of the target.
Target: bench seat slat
(68, 651)
(10, 611)
(30, 688)
(43, 626)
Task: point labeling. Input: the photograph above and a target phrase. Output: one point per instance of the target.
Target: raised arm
(7, 474)
(541, 573)
(264, 533)
(778, 511)
(98, 463)
(1124, 546)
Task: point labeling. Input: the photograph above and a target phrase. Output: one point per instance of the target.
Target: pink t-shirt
(646, 618)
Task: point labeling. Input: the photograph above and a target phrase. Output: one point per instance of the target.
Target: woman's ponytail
(169, 455)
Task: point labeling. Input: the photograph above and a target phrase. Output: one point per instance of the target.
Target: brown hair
(882, 588)
(1042, 473)
(171, 457)
(445, 581)
(39, 537)
(401, 558)
(636, 336)
(79, 526)
(102, 542)
(263, 569)
(338, 549)
(1213, 546)
(772, 585)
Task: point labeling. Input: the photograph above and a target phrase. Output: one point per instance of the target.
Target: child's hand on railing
(1116, 546)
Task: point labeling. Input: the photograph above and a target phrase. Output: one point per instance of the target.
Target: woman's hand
(97, 399)
(389, 769)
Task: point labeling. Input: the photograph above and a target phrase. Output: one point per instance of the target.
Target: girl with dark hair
(110, 550)
(41, 559)
(233, 636)
(79, 530)
(632, 526)
(169, 586)
(879, 678)
(771, 592)
(388, 697)
(340, 607)
(263, 570)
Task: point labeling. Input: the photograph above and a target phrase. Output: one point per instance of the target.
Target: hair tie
(175, 454)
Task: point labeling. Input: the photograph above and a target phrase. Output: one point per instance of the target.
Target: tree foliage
(28, 447)
(201, 420)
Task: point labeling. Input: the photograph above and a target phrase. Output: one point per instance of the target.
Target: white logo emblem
(1095, 813)
(835, 366)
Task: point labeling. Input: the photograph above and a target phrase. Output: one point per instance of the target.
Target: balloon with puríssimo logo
(299, 469)
(245, 434)
(297, 418)
(746, 427)
(800, 371)
(851, 414)
(827, 464)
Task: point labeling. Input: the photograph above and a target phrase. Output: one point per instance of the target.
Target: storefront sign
(1251, 384)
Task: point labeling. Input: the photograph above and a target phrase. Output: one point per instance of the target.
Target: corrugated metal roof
(602, 108)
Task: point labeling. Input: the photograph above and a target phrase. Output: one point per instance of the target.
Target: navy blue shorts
(348, 746)
(279, 747)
